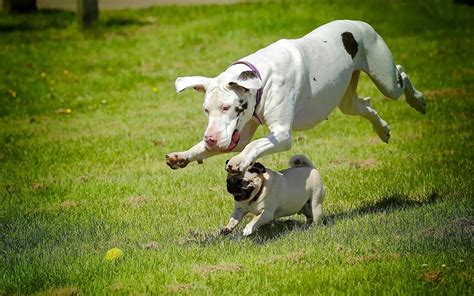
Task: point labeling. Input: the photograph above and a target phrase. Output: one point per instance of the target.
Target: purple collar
(258, 97)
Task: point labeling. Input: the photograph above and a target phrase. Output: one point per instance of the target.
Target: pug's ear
(226, 162)
(257, 168)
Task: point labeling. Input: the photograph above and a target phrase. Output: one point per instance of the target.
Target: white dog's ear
(247, 80)
(199, 83)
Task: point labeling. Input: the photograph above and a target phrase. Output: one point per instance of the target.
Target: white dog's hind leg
(391, 80)
(351, 104)
(413, 97)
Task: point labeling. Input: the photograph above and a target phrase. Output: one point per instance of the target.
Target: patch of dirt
(67, 204)
(207, 270)
(456, 225)
(294, 257)
(83, 179)
(38, 186)
(116, 287)
(460, 73)
(362, 259)
(151, 245)
(364, 164)
(180, 288)
(371, 258)
(357, 164)
(159, 143)
(66, 291)
(448, 92)
(413, 136)
(463, 224)
(136, 200)
(433, 276)
(200, 238)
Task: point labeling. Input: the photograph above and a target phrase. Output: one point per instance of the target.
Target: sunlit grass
(87, 117)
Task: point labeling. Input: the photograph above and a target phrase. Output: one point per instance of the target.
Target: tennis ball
(113, 254)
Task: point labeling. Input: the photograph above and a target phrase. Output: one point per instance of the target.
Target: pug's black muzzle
(239, 188)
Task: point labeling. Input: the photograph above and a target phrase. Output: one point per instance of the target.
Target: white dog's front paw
(248, 230)
(176, 160)
(237, 165)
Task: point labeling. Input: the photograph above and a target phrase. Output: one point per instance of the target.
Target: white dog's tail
(300, 161)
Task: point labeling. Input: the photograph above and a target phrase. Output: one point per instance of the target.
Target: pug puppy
(270, 195)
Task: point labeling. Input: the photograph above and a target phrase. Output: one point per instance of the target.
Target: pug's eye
(245, 183)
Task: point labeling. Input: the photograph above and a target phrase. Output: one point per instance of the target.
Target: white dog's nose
(210, 140)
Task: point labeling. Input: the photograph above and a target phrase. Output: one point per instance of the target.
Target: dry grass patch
(136, 200)
(459, 225)
(207, 270)
(67, 204)
(449, 92)
(66, 291)
(151, 245)
(293, 257)
(38, 186)
(371, 258)
(180, 288)
(433, 276)
(357, 164)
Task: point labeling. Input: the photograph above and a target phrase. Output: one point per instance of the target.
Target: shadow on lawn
(36, 21)
(387, 204)
(279, 228)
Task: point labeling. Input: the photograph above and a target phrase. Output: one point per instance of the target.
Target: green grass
(399, 216)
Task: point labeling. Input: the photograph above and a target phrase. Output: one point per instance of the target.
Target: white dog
(294, 84)
(270, 195)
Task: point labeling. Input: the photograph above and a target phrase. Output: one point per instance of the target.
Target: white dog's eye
(206, 111)
(225, 108)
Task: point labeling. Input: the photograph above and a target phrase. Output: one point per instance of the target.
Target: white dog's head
(229, 104)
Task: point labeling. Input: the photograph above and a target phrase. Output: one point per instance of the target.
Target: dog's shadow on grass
(388, 203)
(266, 233)
(277, 229)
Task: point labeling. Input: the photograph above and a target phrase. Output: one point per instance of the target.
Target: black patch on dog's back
(350, 44)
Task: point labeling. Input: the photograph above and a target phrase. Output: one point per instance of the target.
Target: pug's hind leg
(307, 212)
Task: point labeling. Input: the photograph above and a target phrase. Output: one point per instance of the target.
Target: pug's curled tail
(300, 161)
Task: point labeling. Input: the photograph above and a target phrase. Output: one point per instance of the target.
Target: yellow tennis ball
(113, 254)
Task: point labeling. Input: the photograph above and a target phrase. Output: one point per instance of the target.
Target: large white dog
(294, 84)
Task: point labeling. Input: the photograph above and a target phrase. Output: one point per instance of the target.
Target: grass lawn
(87, 117)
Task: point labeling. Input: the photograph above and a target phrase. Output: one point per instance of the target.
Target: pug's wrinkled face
(244, 187)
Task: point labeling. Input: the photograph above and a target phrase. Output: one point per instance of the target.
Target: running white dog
(294, 84)
(270, 195)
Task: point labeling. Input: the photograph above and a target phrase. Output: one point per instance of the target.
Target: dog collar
(258, 96)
